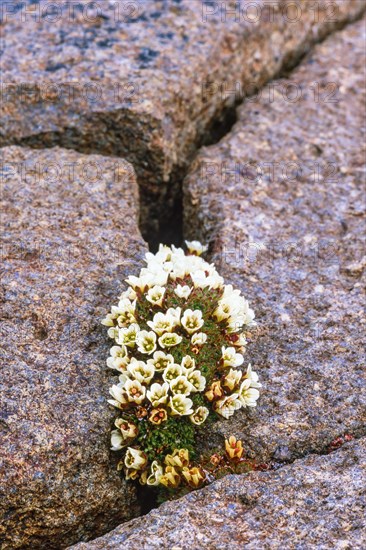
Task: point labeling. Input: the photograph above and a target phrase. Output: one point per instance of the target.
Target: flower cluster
(179, 340)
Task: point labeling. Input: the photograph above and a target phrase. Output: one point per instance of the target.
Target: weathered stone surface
(69, 239)
(145, 80)
(318, 502)
(306, 285)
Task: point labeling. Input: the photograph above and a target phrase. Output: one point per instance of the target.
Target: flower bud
(234, 448)
(171, 478)
(193, 476)
(215, 391)
(178, 459)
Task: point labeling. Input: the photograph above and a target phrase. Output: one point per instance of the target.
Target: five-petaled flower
(180, 405)
(158, 416)
(135, 459)
(192, 320)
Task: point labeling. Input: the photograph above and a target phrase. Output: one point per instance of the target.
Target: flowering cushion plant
(179, 340)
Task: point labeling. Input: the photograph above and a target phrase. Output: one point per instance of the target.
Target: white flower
(130, 294)
(188, 363)
(175, 313)
(236, 322)
(123, 435)
(172, 372)
(162, 323)
(240, 341)
(127, 429)
(135, 391)
(231, 358)
(192, 320)
(199, 416)
(147, 279)
(228, 405)
(180, 405)
(141, 371)
(118, 394)
(127, 336)
(241, 315)
(156, 473)
(169, 339)
(157, 267)
(139, 283)
(223, 311)
(125, 312)
(195, 247)
(113, 332)
(248, 396)
(232, 379)
(158, 394)
(109, 319)
(234, 309)
(202, 280)
(199, 339)
(135, 459)
(183, 291)
(117, 441)
(161, 361)
(163, 255)
(181, 269)
(146, 342)
(197, 380)
(118, 359)
(180, 385)
(155, 295)
(253, 377)
(155, 274)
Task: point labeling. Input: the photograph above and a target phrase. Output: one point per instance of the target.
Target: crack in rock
(156, 85)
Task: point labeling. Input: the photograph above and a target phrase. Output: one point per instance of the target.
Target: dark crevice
(221, 126)
(147, 498)
(170, 227)
(170, 223)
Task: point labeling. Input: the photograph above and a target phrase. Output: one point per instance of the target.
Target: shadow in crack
(170, 223)
(147, 498)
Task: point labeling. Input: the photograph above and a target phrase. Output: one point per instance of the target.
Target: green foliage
(158, 441)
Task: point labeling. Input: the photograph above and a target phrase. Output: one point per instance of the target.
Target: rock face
(281, 200)
(69, 239)
(318, 502)
(145, 80)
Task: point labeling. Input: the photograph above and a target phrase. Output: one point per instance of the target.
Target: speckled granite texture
(144, 80)
(292, 239)
(318, 502)
(69, 237)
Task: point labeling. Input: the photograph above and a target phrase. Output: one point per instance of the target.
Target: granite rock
(317, 502)
(69, 238)
(281, 200)
(146, 80)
